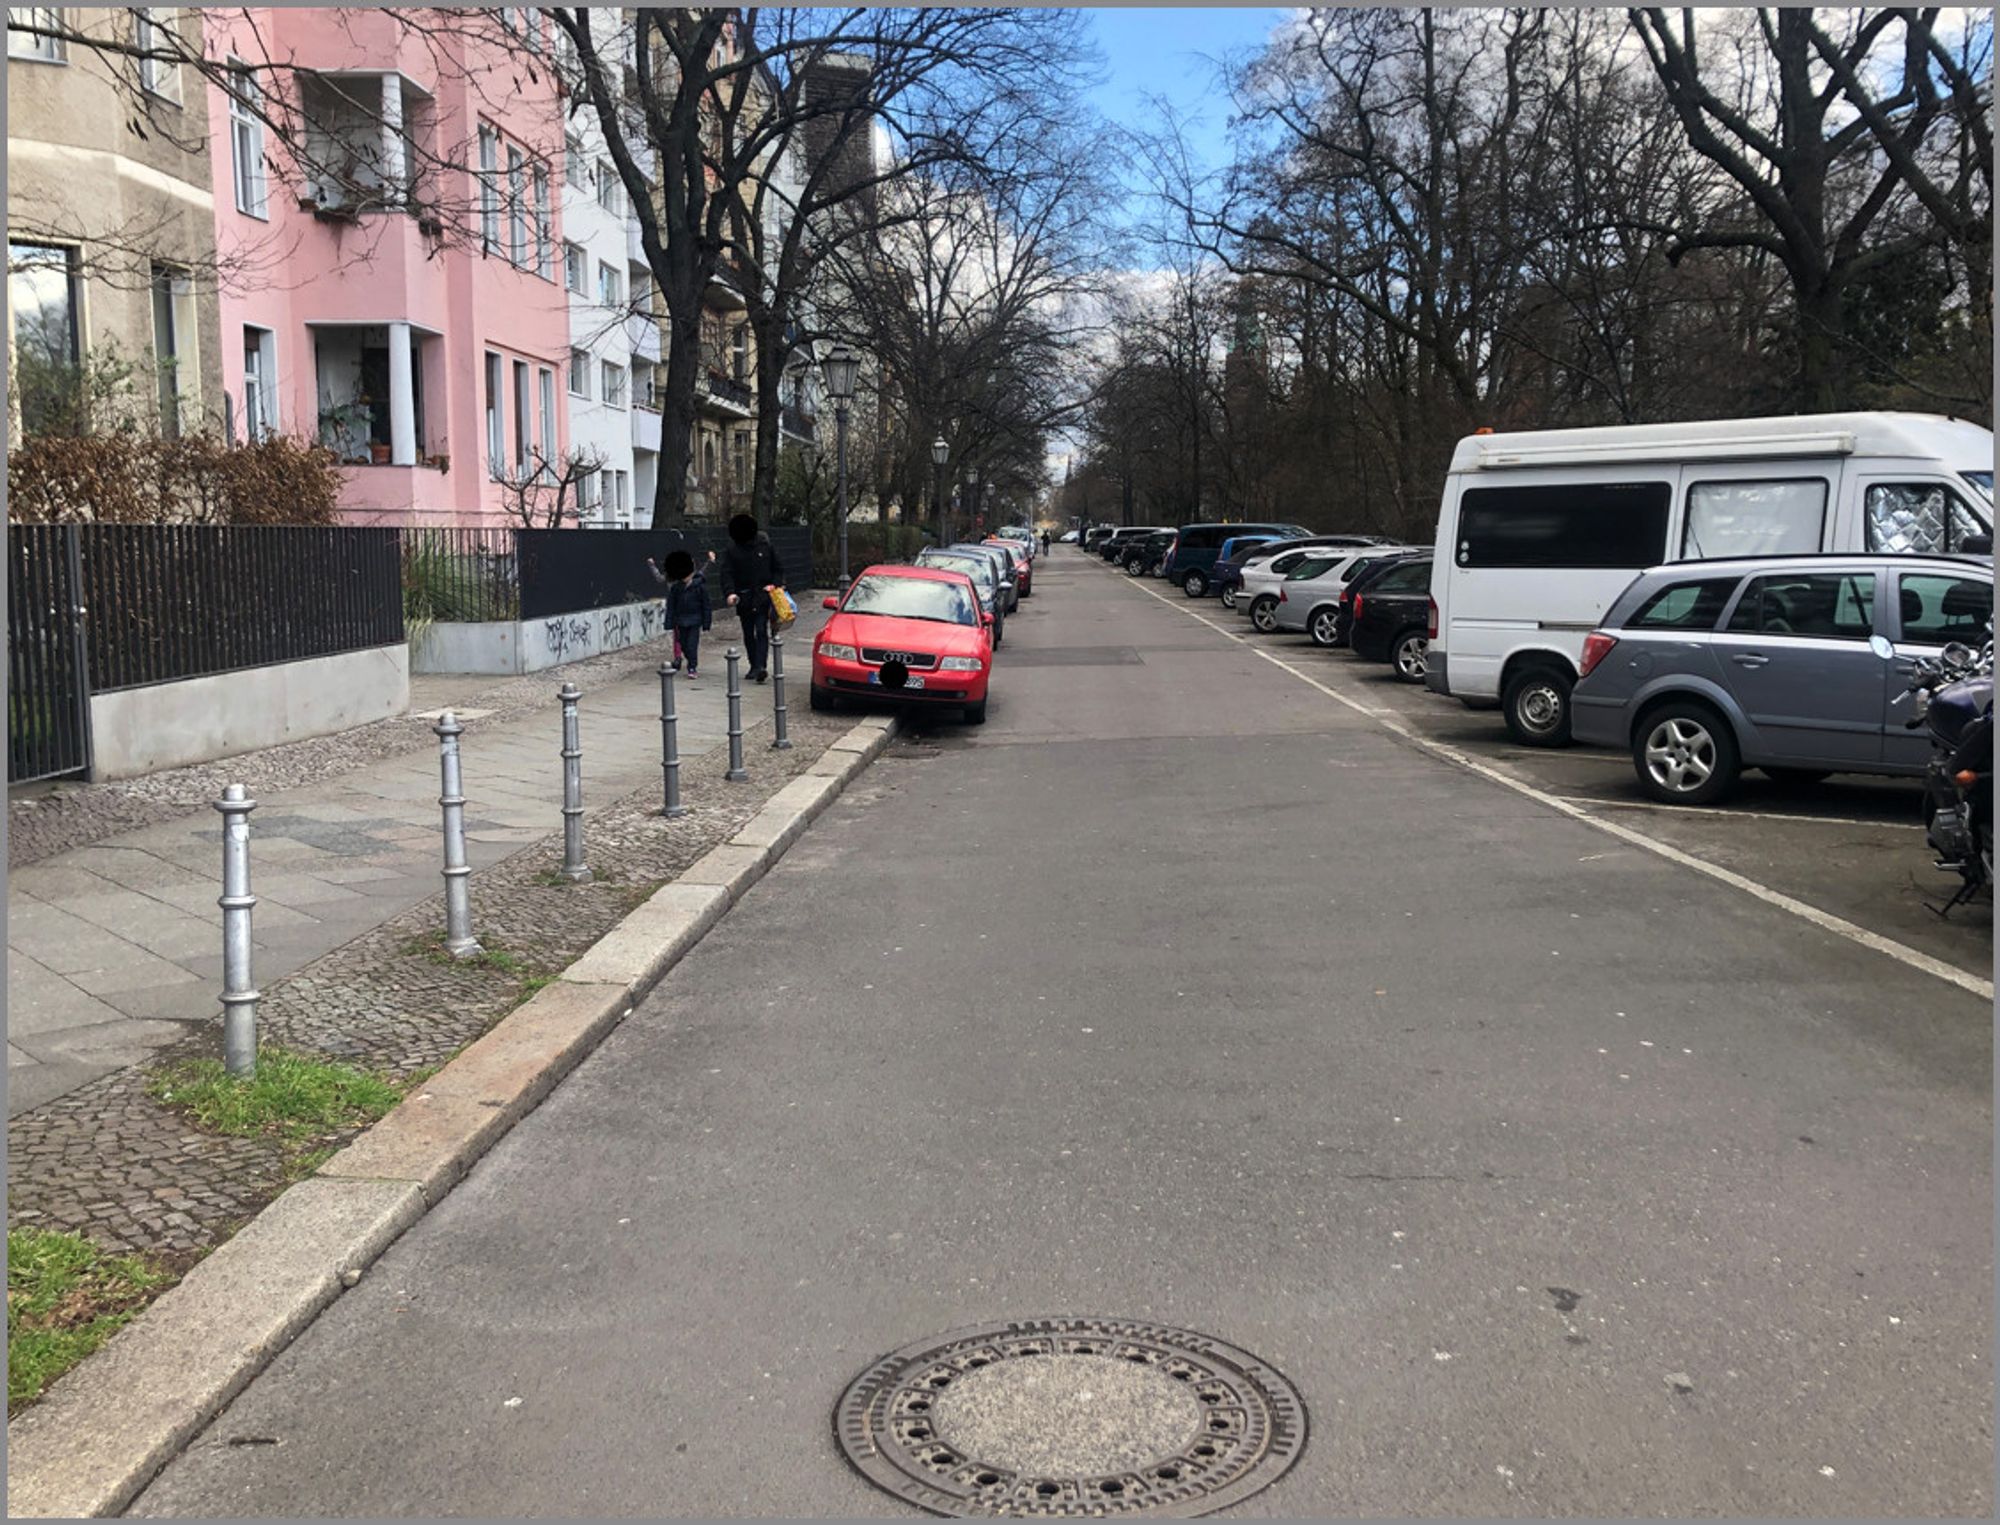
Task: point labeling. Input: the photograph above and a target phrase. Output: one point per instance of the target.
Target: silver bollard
(670, 744)
(458, 939)
(733, 660)
(239, 994)
(573, 868)
(781, 742)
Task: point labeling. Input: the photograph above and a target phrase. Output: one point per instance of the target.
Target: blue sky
(1165, 51)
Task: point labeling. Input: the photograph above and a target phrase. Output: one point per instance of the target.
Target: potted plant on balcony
(345, 426)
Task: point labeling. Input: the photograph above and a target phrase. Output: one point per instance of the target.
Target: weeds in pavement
(297, 1099)
(65, 1297)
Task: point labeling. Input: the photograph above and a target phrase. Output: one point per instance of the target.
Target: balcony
(795, 423)
(645, 429)
(643, 334)
(635, 250)
(733, 399)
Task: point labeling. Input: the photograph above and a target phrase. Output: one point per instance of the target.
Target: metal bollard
(781, 742)
(239, 994)
(733, 661)
(458, 939)
(572, 755)
(670, 744)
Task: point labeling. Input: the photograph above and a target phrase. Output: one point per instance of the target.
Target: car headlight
(962, 664)
(838, 652)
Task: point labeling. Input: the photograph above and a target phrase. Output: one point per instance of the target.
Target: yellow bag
(783, 610)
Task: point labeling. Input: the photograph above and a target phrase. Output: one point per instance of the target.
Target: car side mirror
(1977, 545)
(829, 603)
(986, 620)
(1882, 646)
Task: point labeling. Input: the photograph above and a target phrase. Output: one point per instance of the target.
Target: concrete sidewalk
(115, 948)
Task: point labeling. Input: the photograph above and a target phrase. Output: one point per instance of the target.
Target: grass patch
(65, 1297)
(492, 954)
(293, 1098)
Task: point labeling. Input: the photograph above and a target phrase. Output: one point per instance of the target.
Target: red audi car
(914, 635)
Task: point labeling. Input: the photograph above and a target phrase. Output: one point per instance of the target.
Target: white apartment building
(614, 338)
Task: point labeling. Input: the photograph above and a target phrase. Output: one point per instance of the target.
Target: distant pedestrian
(689, 612)
(750, 569)
(1045, 542)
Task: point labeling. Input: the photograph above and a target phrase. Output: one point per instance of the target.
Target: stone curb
(107, 1428)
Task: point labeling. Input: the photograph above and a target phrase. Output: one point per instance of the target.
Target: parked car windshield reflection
(910, 598)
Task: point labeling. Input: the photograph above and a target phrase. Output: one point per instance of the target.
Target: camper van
(1538, 533)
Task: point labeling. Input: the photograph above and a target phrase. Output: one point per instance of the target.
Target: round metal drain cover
(1071, 1416)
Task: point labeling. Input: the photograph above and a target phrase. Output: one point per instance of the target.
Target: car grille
(916, 661)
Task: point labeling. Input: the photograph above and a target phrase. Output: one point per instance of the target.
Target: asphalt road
(1183, 992)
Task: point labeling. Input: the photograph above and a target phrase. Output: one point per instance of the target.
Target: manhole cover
(1069, 1416)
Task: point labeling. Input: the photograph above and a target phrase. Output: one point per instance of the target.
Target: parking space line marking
(1826, 920)
(1746, 815)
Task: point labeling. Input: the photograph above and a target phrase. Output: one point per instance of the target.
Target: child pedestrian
(688, 609)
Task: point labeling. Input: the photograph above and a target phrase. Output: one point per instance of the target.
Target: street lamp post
(971, 502)
(841, 367)
(940, 453)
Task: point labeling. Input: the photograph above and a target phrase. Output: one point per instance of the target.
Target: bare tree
(549, 494)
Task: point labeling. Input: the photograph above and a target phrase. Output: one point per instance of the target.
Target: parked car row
(1706, 597)
(922, 634)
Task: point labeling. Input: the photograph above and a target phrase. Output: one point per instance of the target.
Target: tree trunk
(1822, 361)
(768, 332)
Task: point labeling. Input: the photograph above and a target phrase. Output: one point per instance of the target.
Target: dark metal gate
(48, 674)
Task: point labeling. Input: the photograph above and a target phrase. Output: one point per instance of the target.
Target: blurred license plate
(914, 681)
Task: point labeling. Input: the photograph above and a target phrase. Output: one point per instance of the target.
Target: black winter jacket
(748, 569)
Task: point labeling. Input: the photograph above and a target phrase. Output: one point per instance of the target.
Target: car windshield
(1983, 480)
(910, 598)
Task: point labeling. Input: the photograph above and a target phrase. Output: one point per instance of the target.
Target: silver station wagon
(1795, 665)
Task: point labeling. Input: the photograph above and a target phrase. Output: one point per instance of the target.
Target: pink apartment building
(407, 302)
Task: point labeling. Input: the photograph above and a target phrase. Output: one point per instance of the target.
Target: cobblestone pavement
(43, 822)
(108, 1160)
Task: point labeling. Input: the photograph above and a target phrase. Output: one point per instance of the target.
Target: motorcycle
(1953, 694)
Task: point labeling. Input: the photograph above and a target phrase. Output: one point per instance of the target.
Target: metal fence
(48, 688)
(170, 601)
(562, 571)
(461, 574)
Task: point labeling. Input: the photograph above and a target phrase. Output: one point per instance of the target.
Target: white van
(1539, 532)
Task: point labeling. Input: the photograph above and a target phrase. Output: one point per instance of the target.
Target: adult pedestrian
(1045, 542)
(750, 569)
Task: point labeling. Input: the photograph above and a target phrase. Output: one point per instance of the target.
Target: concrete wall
(136, 731)
(513, 647)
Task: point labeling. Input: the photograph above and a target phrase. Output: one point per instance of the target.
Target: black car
(1364, 573)
(1389, 620)
(1144, 556)
(1115, 544)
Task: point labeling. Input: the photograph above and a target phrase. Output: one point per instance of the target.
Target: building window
(496, 442)
(575, 266)
(34, 20)
(739, 446)
(543, 230)
(517, 207)
(579, 373)
(576, 169)
(586, 492)
(546, 381)
(523, 422)
(44, 295)
(739, 352)
(173, 342)
(610, 289)
(614, 385)
(246, 141)
(608, 187)
(260, 383)
(158, 75)
(489, 189)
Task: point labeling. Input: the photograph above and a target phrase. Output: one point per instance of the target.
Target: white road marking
(1826, 920)
(1749, 815)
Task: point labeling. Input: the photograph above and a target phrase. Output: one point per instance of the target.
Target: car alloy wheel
(1228, 596)
(1264, 615)
(1412, 657)
(1325, 627)
(1680, 755)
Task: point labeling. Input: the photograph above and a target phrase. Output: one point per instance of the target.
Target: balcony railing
(797, 423)
(645, 429)
(723, 389)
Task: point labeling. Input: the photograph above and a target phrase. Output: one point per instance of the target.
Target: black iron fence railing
(460, 575)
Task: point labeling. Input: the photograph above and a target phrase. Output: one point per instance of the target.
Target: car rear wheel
(1228, 597)
(975, 714)
(1409, 656)
(1536, 703)
(1323, 625)
(1685, 754)
(1264, 614)
(1195, 583)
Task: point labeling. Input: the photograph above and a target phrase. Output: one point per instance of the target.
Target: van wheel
(1536, 704)
(1195, 584)
(1408, 655)
(1264, 614)
(1323, 625)
(1685, 754)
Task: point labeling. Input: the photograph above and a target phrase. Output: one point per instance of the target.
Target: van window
(1754, 518)
(1825, 605)
(1583, 524)
(1918, 518)
(1938, 608)
(1684, 606)
(1201, 537)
